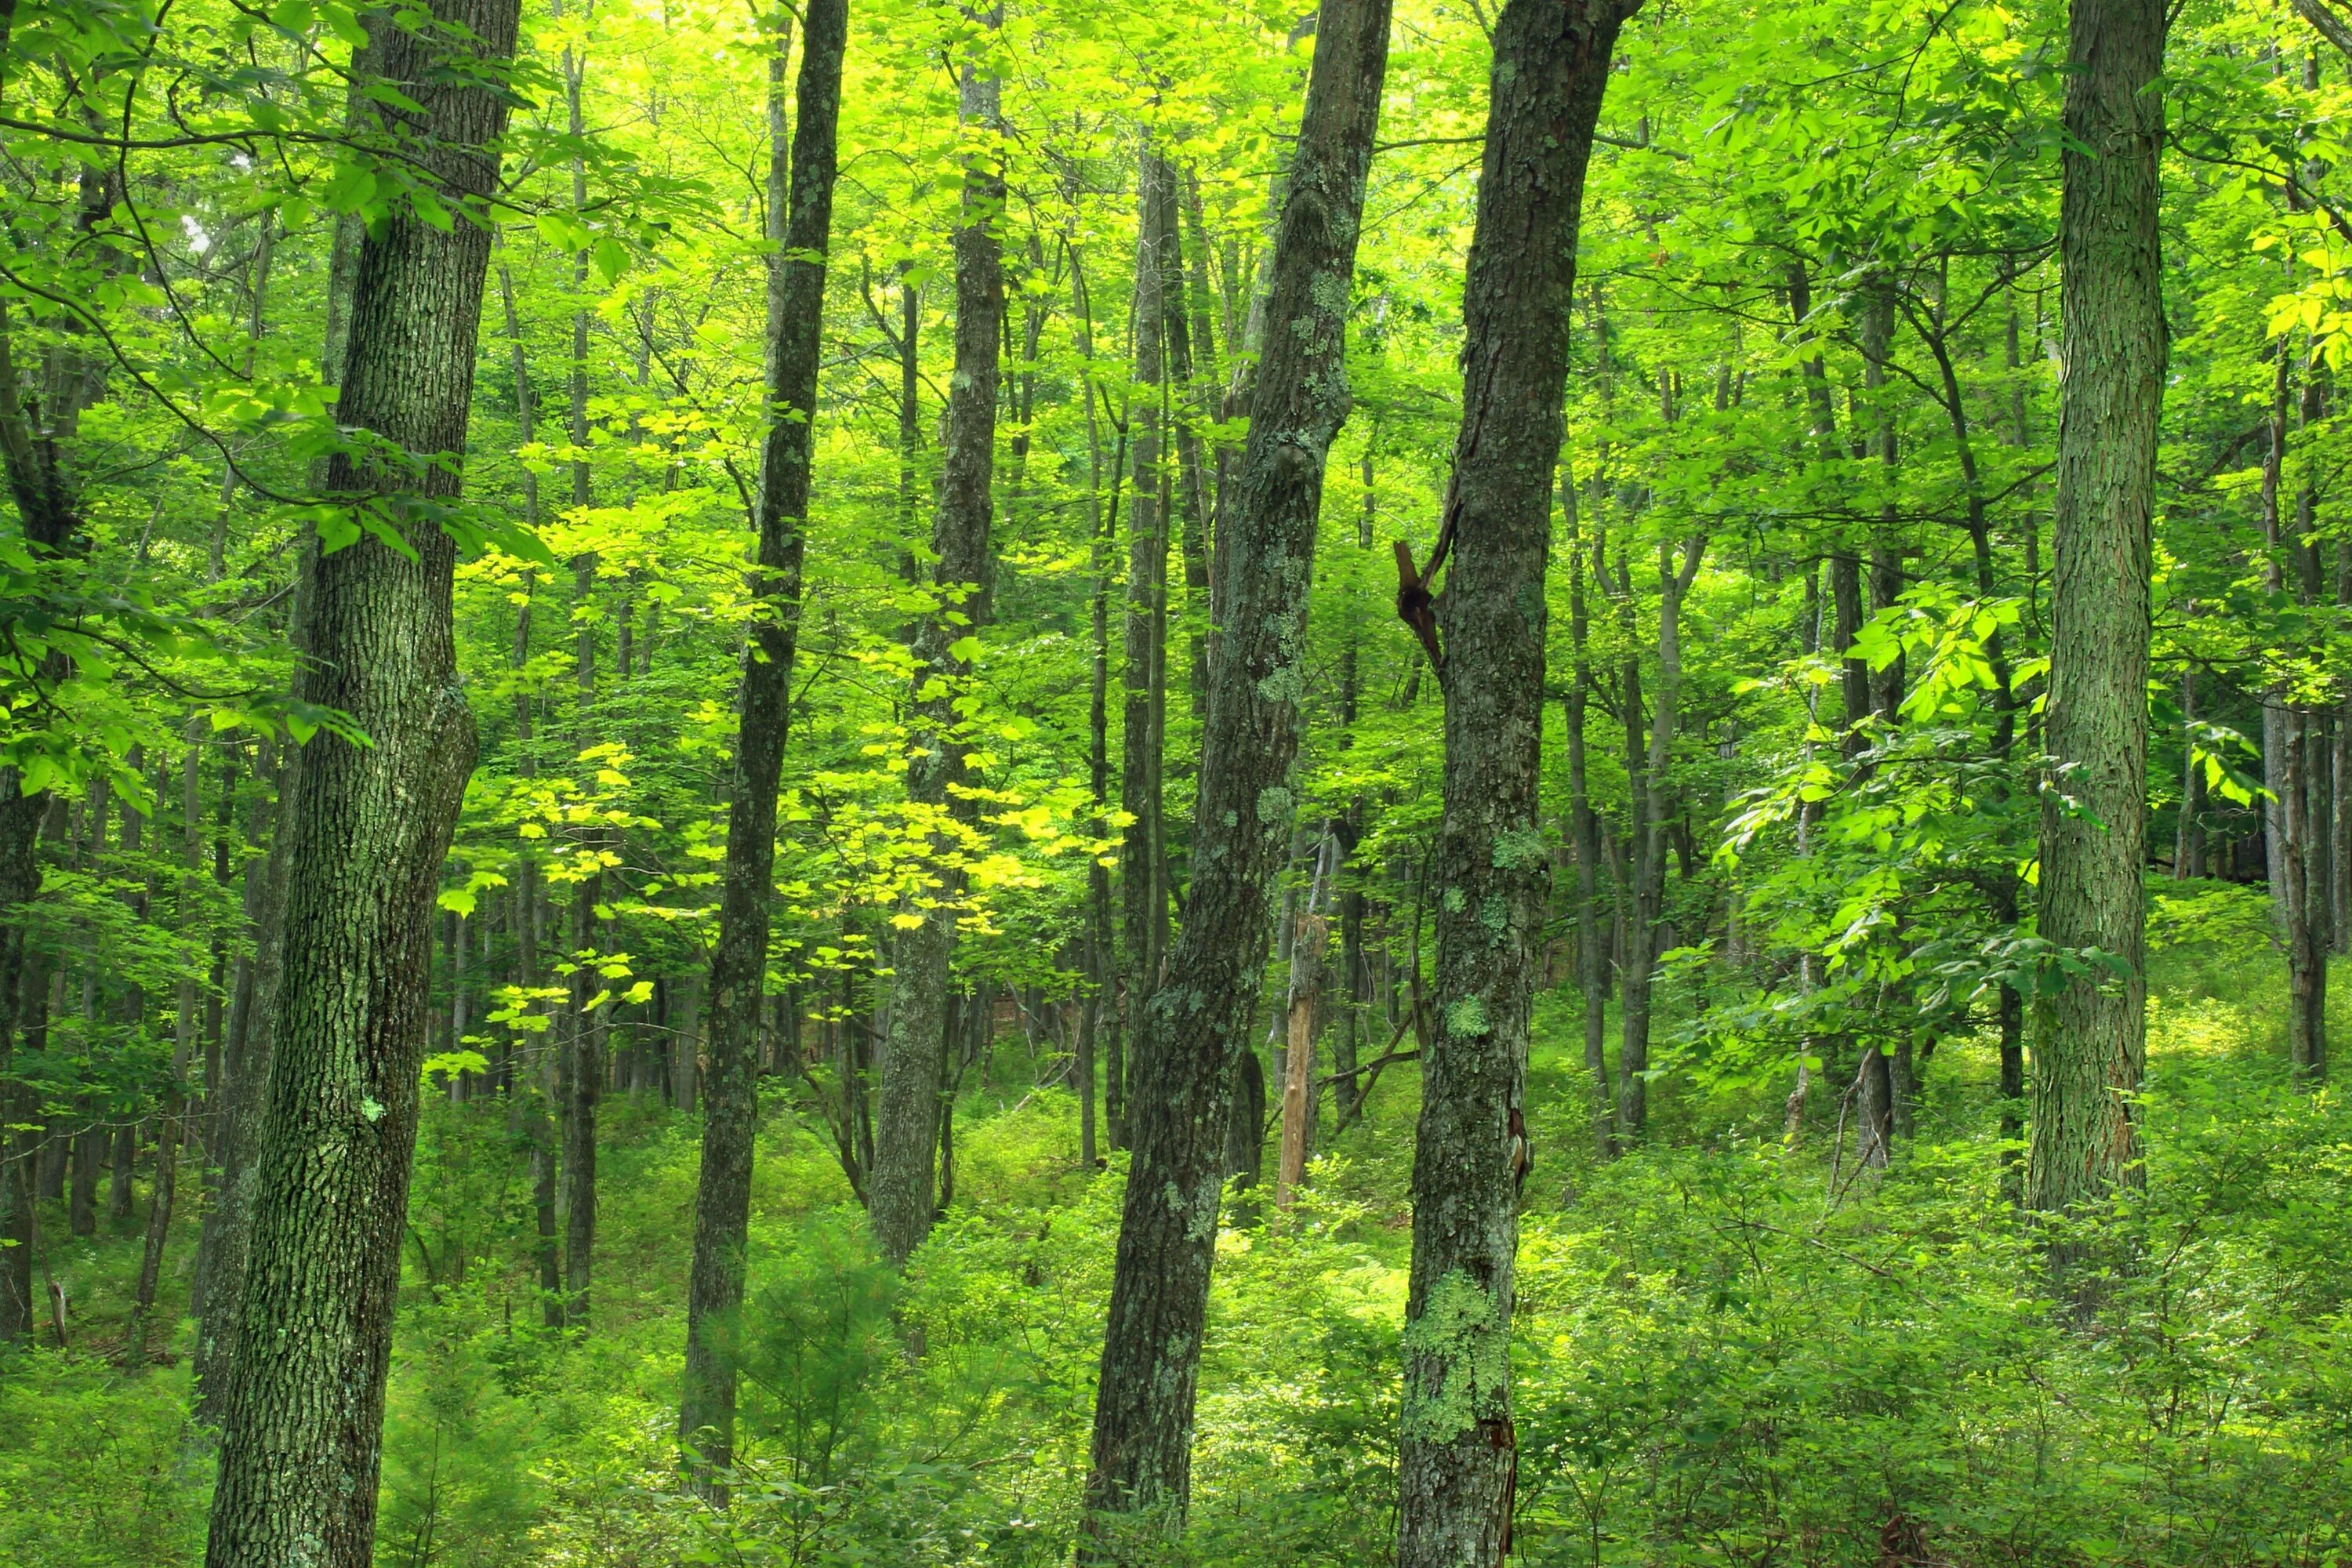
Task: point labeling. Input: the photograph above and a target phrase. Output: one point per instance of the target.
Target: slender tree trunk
(89, 1152)
(722, 1203)
(221, 1246)
(2188, 839)
(303, 1438)
(1102, 960)
(1196, 1028)
(1584, 825)
(579, 1063)
(1309, 937)
(2302, 841)
(37, 457)
(909, 1110)
(172, 1125)
(26, 1017)
(2091, 1030)
(1141, 900)
(1650, 804)
(1457, 1457)
(530, 1105)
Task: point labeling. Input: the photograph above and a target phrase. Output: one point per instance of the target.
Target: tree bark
(303, 1438)
(1196, 1028)
(1584, 825)
(722, 1203)
(1650, 806)
(1142, 895)
(2091, 1030)
(1309, 937)
(907, 1123)
(1457, 1456)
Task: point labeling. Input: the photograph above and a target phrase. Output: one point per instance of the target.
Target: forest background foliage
(1776, 1298)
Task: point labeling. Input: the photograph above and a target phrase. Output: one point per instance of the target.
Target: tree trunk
(24, 1016)
(2091, 1031)
(803, 221)
(1308, 940)
(1102, 960)
(36, 456)
(303, 1438)
(1584, 825)
(1195, 1031)
(89, 1154)
(1457, 1457)
(172, 1130)
(222, 1243)
(217, 1294)
(2189, 837)
(1141, 895)
(1650, 805)
(2302, 843)
(119, 1160)
(908, 1125)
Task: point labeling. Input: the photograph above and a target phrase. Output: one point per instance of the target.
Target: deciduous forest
(942, 782)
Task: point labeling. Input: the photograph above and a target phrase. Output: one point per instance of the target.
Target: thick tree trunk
(303, 1437)
(722, 1203)
(1457, 1456)
(2091, 1031)
(908, 1124)
(217, 1294)
(1195, 1030)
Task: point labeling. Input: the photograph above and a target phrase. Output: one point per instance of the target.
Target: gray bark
(1194, 1030)
(908, 1124)
(802, 220)
(2091, 1033)
(302, 1441)
(1457, 1458)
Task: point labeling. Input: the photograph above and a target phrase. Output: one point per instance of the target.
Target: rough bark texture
(223, 1243)
(1457, 1456)
(2302, 812)
(906, 1125)
(1584, 828)
(2091, 1035)
(1196, 1026)
(304, 1414)
(722, 1203)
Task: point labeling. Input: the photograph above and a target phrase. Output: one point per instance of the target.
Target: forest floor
(1723, 1356)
